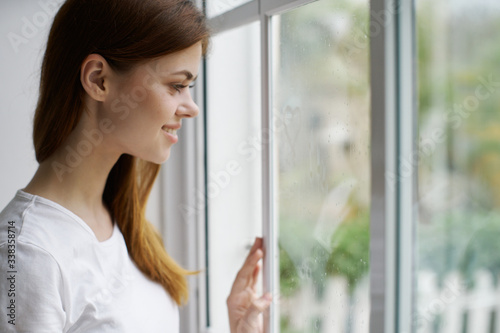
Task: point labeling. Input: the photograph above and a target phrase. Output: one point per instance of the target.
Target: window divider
(407, 179)
(270, 267)
(383, 211)
(202, 295)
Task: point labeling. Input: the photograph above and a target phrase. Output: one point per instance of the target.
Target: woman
(77, 252)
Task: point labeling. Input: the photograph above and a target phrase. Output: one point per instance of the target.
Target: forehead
(181, 62)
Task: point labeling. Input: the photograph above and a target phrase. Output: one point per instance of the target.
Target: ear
(94, 75)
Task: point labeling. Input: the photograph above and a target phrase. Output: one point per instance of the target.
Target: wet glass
(321, 112)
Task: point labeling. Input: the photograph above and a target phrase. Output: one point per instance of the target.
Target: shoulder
(24, 236)
(41, 224)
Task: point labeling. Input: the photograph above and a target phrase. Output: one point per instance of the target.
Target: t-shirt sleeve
(31, 290)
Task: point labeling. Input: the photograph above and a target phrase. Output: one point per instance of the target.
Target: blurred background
(459, 162)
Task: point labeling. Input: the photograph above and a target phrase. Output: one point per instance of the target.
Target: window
(459, 158)
(320, 110)
(374, 126)
(305, 152)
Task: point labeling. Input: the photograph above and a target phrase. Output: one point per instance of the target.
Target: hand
(243, 305)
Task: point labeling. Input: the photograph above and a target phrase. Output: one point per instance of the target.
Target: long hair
(126, 33)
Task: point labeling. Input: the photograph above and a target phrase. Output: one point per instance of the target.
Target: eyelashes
(180, 87)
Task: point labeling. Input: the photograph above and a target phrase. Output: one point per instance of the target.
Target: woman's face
(146, 106)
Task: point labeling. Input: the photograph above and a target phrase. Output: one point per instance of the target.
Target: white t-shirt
(60, 278)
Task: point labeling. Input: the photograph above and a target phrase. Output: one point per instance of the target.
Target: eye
(180, 87)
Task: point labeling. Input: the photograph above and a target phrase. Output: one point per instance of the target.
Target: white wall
(19, 74)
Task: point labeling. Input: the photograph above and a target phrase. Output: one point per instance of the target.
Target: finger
(249, 265)
(245, 275)
(258, 306)
(256, 248)
(255, 274)
(257, 244)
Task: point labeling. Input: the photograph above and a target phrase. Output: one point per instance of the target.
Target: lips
(172, 128)
(169, 130)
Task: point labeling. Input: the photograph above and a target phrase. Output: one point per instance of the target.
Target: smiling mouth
(169, 130)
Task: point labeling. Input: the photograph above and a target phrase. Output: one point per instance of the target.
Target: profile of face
(142, 109)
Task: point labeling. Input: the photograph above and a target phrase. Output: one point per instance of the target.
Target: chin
(162, 159)
(156, 158)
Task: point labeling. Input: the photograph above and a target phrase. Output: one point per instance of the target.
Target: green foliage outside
(459, 50)
(455, 48)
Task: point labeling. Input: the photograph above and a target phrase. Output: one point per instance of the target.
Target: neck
(75, 176)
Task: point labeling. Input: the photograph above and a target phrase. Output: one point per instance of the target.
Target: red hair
(126, 33)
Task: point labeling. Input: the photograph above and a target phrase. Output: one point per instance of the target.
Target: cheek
(136, 104)
(119, 112)
(140, 112)
(161, 106)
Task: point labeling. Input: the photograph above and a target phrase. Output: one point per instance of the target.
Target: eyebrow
(188, 74)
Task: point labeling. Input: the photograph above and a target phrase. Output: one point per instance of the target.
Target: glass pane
(322, 155)
(234, 161)
(217, 7)
(458, 166)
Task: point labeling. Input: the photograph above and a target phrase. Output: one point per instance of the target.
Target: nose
(188, 108)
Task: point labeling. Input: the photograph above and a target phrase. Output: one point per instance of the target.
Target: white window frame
(393, 196)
